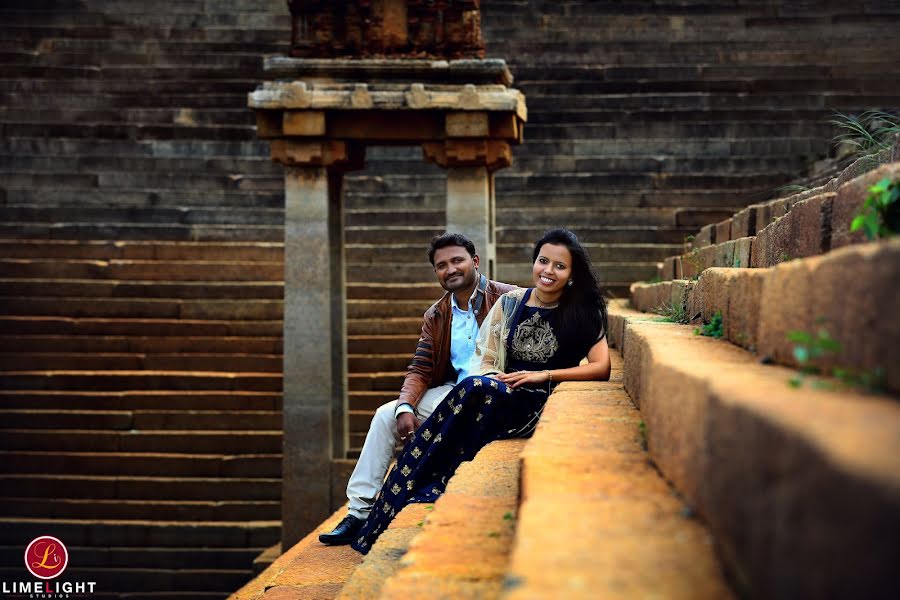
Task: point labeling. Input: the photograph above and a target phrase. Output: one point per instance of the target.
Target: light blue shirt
(463, 334)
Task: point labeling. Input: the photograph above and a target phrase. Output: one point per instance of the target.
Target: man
(449, 332)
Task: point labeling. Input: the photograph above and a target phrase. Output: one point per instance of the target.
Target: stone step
(120, 198)
(739, 296)
(362, 309)
(375, 382)
(334, 564)
(67, 361)
(153, 534)
(141, 231)
(368, 401)
(58, 325)
(380, 344)
(140, 117)
(142, 510)
(163, 558)
(154, 442)
(767, 430)
(154, 214)
(367, 363)
(139, 290)
(200, 20)
(140, 380)
(378, 291)
(145, 308)
(141, 420)
(144, 488)
(597, 469)
(164, 345)
(256, 252)
(253, 149)
(140, 400)
(118, 131)
(139, 464)
(466, 541)
(93, 163)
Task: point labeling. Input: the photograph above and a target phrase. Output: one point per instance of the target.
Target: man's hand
(406, 424)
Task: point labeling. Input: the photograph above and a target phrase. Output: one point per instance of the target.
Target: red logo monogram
(46, 557)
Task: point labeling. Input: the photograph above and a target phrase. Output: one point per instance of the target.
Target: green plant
(791, 188)
(693, 259)
(654, 279)
(712, 329)
(508, 516)
(642, 433)
(867, 134)
(879, 216)
(672, 312)
(809, 348)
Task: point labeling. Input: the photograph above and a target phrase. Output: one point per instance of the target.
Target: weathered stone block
(706, 236)
(855, 299)
(680, 295)
(650, 297)
(670, 268)
(809, 227)
(744, 306)
(786, 293)
(762, 216)
(743, 248)
(723, 231)
(679, 268)
(849, 199)
(760, 250)
(700, 258)
(724, 255)
(467, 124)
(304, 123)
(743, 223)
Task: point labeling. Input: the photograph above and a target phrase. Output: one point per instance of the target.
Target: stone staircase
(142, 220)
(140, 385)
(141, 278)
(702, 469)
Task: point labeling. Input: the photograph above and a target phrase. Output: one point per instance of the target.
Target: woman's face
(552, 269)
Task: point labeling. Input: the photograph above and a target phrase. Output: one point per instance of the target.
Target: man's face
(455, 268)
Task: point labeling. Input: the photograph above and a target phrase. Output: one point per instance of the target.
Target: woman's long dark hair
(581, 316)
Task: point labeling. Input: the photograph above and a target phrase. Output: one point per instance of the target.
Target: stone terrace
(142, 221)
(700, 470)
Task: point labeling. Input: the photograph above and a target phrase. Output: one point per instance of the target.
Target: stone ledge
(801, 487)
(763, 235)
(760, 306)
(491, 70)
(597, 520)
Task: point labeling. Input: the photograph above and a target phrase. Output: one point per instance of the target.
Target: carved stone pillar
(471, 203)
(315, 372)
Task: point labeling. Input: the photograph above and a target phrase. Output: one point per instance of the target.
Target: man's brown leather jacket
(431, 364)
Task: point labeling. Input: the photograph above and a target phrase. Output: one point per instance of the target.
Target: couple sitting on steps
(486, 361)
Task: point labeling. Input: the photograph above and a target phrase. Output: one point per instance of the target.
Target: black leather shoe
(343, 533)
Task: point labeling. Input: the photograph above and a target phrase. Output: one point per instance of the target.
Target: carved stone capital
(318, 153)
(492, 154)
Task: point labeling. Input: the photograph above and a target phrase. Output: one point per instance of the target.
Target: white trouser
(378, 451)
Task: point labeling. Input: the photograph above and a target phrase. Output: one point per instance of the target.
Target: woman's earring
(570, 283)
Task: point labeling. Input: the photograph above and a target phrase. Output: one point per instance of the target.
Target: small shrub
(672, 312)
(879, 216)
(712, 329)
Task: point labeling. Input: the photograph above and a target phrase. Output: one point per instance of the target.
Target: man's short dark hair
(450, 239)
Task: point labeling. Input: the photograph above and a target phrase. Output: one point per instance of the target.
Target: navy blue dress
(478, 411)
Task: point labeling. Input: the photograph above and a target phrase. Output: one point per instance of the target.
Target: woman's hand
(519, 378)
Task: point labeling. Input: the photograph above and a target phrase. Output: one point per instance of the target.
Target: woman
(532, 339)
